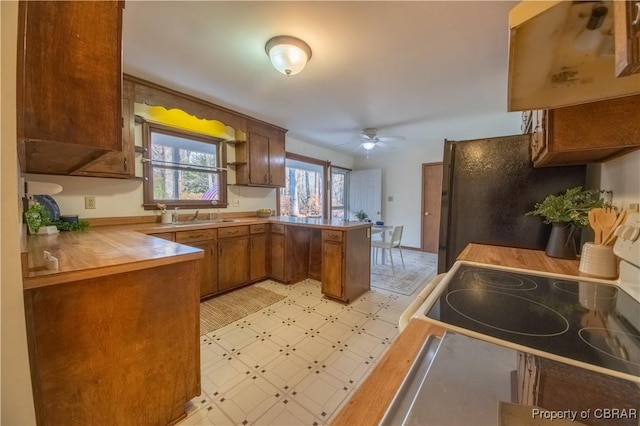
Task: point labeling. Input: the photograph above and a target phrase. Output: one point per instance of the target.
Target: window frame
(149, 202)
(346, 172)
(325, 181)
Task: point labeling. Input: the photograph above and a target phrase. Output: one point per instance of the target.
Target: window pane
(172, 184)
(302, 194)
(185, 168)
(339, 188)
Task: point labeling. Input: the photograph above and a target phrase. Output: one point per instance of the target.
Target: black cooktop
(595, 323)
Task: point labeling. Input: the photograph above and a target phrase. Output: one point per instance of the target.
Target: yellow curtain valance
(181, 120)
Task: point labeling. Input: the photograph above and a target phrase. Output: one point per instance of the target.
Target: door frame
(422, 200)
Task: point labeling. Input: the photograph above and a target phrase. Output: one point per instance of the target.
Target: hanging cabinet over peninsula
(261, 158)
(69, 100)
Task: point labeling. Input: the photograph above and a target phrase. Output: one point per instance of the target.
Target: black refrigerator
(488, 185)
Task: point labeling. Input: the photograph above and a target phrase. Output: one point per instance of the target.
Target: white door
(365, 192)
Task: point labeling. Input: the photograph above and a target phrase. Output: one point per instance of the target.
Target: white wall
(622, 176)
(123, 197)
(16, 407)
(402, 171)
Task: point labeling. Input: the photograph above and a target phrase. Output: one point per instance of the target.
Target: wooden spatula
(597, 230)
(606, 218)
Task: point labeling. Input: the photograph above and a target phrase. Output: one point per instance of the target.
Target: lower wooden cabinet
(208, 268)
(259, 252)
(119, 349)
(346, 263)
(278, 252)
(233, 257)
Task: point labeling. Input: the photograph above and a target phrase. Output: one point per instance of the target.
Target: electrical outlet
(236, 202)
(89, 203)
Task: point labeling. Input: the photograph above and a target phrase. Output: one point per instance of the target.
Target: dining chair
(395, 241)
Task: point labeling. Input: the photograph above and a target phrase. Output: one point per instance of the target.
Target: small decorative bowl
(263, 214)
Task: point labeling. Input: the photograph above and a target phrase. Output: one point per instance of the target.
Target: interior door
(431, 205)
(365, 192)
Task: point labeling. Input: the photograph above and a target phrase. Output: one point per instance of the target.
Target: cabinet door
(208, 268)
(627, 37)
(276, 159)
(258, 158)
(278, 256)
(118, 164)
(233, 262)
(69, 83)
(332, 283)
(258, 257)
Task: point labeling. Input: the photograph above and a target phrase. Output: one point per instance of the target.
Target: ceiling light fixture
(590, 37)
(368, 145)
(288, 54)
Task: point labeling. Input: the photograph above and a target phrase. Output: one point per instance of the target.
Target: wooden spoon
(610, 238)
(597, 231)
(606, 218)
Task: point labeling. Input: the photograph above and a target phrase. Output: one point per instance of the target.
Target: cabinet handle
(265, 178)
(125, 164)
(636, 21)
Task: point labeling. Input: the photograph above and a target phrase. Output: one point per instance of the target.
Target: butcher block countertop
(117, 248)
(369, 403)
(535, 260)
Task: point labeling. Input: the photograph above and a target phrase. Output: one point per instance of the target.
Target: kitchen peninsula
(121, 312)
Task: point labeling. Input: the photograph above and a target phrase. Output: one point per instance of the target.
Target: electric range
(587, 322)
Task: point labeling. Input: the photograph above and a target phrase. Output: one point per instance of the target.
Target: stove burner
(566, 286)
(503, 280)
(517, 315)
(609, 342)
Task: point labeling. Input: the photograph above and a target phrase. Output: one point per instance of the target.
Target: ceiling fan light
(289, 55)
(368, 145)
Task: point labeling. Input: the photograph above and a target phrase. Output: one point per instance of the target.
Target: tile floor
(295, 362)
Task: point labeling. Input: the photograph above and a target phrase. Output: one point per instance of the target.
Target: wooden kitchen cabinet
(206, 240)
(278, 252)
(117, 164)
(261, 159)
(233, 257)
(346, 263)
(259, 252)
(69, 100)
(118, 349)
(627, 37)
(585, 133)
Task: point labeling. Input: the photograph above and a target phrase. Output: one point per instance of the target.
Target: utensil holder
(166, 218)
(598, 261)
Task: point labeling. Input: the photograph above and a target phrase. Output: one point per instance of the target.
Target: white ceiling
(424, 70)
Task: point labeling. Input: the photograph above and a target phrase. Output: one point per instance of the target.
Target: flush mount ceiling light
(288, 54)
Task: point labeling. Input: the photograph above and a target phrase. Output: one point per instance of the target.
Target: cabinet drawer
(195, 235)
(332, 235)
(277, 228)
(233, 231)
(258, 229)
(169, 236)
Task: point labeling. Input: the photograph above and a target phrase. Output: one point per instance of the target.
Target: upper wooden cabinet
(627, 36)
(585, 133)
(261, 159)
(69, 98)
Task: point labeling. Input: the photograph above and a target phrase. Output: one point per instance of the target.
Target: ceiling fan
(370, 139)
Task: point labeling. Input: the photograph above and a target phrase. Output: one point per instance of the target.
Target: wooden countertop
(98, 252)
(535, 260)
(369, 403)
(337, 224)
(104, 250)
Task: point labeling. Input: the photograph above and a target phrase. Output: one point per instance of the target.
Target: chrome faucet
(195, 216)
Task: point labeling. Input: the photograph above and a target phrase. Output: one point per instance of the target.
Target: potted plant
(361, 215)
(566, 213)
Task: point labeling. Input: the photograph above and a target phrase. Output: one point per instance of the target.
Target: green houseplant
(566, 213)
(361, 215)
